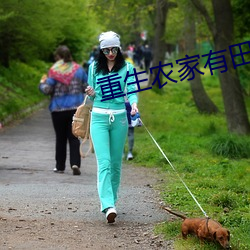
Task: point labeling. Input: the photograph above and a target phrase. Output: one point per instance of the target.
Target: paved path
(30, 190)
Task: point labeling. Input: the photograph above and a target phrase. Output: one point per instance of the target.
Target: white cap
(109, 39)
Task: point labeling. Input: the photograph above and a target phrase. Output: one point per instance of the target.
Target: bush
(231, 146)
(224, 200)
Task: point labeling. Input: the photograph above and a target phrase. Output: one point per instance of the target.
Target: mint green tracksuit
(108, 132)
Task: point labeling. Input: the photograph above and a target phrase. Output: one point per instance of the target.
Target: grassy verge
(214, 164)
(19, 89)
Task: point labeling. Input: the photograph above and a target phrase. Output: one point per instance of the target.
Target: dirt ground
(40, 209)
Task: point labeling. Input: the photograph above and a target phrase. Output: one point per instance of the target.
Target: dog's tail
(175, 213)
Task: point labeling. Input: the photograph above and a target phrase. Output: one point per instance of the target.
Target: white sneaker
(111, 214)
(130, 156)
(58, 171)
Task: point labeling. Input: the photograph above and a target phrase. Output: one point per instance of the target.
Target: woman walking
(65, 84)
(109, 123)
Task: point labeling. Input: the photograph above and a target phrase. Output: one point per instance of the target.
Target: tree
(202, 101)
(223, 36)
(241, 17)
(28, 33)
(159, 45)
(242, 34)
(127, 17)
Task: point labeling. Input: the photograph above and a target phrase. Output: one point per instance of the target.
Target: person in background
(130, 133)
(109, 125)
(128, 109)
(147, 54)
(93, 55)
(138, 55)
(65, 83)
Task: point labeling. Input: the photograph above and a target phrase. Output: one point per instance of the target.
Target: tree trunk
(235, 109)
(159, 46)
(202, 101)
(222, 31)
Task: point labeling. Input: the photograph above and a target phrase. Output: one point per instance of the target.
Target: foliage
(128, 18)
(19, 88)
(244, 72)
(241, 17)
(242, 32)
(176, 23)
(41, 30)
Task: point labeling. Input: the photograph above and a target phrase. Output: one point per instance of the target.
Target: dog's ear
(214, 235)
(228, 237)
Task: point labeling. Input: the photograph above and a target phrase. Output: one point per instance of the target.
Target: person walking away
(109, 123)
(65, 84)
(147, 54)
(139, 55)
(130, 133)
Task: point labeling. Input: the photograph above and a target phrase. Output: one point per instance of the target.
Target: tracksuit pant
(108, 133)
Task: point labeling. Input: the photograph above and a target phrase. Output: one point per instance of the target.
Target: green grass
(19, 88)
(214, 164)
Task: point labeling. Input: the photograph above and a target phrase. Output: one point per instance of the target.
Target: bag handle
(86, 138)
(83, 155)
(85, 99)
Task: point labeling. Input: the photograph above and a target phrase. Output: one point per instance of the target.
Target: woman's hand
(90, 91)
(134, 109)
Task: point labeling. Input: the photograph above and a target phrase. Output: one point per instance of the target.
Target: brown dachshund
(204, 229)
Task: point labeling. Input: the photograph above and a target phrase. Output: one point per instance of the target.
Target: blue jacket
(65, 97)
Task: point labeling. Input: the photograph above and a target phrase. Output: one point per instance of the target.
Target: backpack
(81, 126)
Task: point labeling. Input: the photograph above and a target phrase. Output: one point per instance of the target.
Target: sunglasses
(106, 51)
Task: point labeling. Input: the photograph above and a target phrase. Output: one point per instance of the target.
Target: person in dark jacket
(130, 133)
(147, 54)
